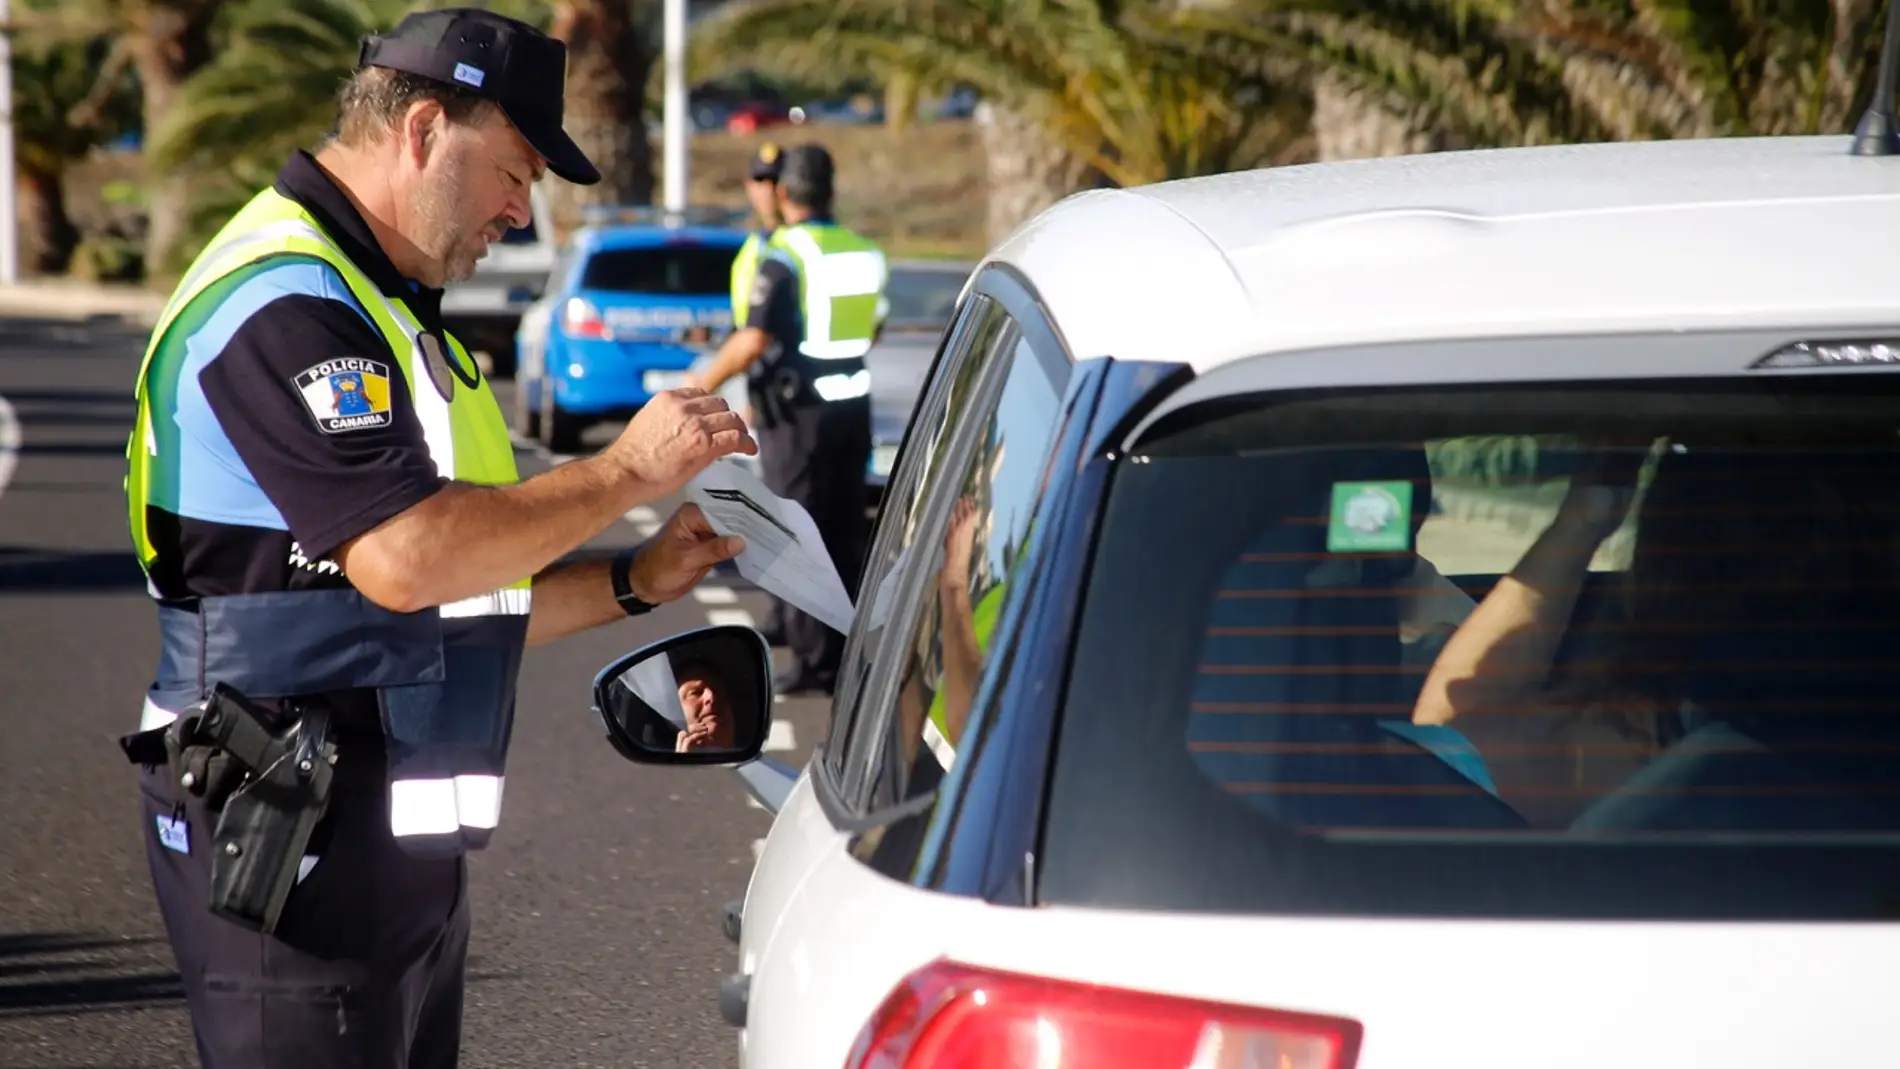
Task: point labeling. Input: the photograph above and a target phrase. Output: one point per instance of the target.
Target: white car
(1419, 613)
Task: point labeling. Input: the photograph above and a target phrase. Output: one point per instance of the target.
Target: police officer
(815, 308)
(761, 191)
(323, 495)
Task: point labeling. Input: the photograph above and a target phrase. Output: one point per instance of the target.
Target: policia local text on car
(817, 300)
(347, 566)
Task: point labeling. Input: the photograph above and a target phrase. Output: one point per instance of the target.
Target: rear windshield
(672, 270)
(1617, 651)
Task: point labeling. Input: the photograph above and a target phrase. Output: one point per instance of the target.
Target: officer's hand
(678, 557)
(676, 435)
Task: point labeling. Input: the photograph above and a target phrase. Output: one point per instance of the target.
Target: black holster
(774, 394)
(264, 824)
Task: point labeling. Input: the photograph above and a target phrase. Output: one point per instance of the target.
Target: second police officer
(816, 304)
(761, 191)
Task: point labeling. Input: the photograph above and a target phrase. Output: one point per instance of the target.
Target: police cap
(511, 63)
(765, 162)
(806, 171)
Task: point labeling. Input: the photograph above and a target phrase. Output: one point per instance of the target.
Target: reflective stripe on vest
(841, 286)
(445, 678)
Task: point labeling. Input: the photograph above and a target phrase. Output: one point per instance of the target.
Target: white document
(784, 553)
(652, 682)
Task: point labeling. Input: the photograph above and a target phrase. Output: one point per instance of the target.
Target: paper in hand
(652, 682)
(784, 552)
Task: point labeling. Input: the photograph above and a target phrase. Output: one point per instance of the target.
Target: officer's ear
(421, 131)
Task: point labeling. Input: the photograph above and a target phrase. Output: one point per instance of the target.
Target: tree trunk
(1028, 171)
(1350, 124)
(172, 43)
(901, 93)
(608, 62)
(47, 233)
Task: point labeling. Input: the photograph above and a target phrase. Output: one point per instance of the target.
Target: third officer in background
(815, 307)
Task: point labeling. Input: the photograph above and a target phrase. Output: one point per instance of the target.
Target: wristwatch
(630, 603)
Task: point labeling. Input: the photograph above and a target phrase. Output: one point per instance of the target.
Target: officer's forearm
(740, 350)
(466, 540)
(572, 596)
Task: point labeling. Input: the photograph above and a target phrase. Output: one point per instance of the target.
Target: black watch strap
(630, 603)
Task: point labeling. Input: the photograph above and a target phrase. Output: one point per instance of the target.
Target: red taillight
(951, 1016)
(579, 319)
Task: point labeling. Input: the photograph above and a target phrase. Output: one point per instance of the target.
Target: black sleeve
(774, 306)
(318, 411)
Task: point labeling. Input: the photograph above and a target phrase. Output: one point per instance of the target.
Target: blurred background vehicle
(635, 298)
(923, 298)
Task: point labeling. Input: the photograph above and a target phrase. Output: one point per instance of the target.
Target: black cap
(511, 63)
(807, 166)
(765, 162)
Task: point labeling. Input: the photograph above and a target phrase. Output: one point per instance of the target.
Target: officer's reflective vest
(444, 677)
(745, 268)
(841, 279)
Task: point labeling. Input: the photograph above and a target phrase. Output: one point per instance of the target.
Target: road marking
(715, 595)
(643, 514)
(782, 737)
(9, 443)
(758, 847)
(730, 618)
(647, 530)
(753, 802)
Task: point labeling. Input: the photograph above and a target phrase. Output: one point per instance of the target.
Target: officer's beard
(446, 237)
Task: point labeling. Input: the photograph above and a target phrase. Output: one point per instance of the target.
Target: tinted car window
(672, 270)
(521, 235)
(1601, 651)
(970, 566)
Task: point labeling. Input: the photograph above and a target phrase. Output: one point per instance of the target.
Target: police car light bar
(650, 215)
(1877, 353)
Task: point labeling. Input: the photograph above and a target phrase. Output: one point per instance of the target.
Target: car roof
(648, 235)
(1610, 237)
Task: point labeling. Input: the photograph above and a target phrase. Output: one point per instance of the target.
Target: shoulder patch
(346, 394)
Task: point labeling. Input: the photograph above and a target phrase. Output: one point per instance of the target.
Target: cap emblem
(469, 75)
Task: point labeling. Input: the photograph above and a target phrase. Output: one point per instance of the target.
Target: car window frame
(952, 351)
(997, 289)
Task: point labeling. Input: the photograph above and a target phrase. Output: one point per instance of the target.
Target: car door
(801, 834)
(959, 518)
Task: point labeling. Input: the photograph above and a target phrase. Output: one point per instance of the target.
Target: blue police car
(634, 298)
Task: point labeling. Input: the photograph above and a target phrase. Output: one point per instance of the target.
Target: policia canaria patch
(346, 394)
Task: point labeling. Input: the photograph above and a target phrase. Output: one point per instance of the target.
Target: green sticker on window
(1370, 517)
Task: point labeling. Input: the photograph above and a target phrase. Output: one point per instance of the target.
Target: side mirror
(699, 698)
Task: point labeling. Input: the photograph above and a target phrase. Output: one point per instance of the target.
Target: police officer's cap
(765, 162)
(511, 63)
(807, 167)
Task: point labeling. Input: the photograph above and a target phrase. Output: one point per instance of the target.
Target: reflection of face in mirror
(706, 698)
(700, 698)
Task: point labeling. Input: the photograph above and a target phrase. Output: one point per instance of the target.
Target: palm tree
(1410, 75)
(609, 60)
(1084, 91)
(271, 90)
(164, 42)
(61, 111)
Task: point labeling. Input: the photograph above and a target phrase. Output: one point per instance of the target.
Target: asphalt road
(596, 909)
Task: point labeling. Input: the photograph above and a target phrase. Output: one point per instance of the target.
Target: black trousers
(366, 968)
(818, 458)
